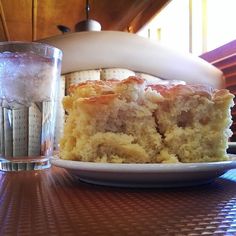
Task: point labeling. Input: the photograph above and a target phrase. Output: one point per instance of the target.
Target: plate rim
(143, 167)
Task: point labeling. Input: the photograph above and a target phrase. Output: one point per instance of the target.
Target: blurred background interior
(196, 26)
(202, 27)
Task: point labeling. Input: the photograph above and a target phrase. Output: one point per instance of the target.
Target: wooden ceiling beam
(34, 19)
(146, 15)
(4, 23)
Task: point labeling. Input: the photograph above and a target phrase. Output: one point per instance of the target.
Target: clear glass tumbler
(29, 80)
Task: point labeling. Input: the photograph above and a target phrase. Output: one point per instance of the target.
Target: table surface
(52, 202)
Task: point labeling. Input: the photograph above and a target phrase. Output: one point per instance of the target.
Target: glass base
(22, 164)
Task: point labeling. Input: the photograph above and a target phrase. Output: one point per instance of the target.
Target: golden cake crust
(131, 122)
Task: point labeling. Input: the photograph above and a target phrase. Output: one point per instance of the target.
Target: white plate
(146, 175)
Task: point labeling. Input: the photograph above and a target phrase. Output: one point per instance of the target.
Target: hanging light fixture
(88, 24)
(85, 25)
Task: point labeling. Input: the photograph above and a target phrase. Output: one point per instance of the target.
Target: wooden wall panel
(29, 20)
(18, 15)
(52, 13)
(2, 31)
(118, 15)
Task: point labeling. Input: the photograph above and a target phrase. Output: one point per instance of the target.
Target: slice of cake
(131, 122)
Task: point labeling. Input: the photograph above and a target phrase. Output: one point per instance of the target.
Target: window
(193, 26)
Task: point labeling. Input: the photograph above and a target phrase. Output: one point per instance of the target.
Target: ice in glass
(29, 79)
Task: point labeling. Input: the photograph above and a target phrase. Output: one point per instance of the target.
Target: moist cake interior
(129, 121)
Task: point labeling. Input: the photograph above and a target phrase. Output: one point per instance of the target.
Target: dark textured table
(52, 202)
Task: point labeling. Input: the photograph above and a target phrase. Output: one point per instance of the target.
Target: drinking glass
(29, 80)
